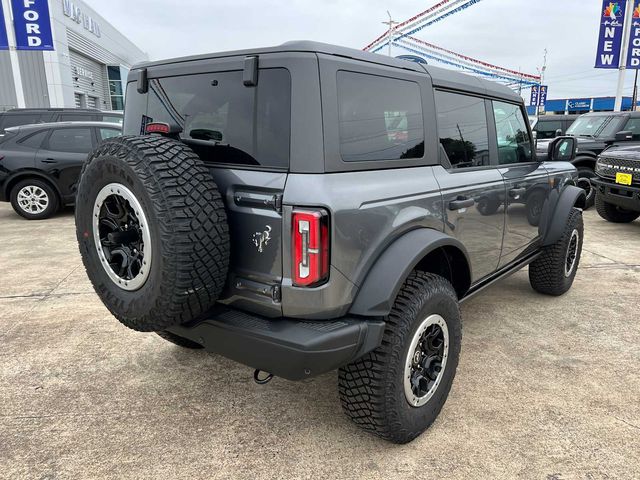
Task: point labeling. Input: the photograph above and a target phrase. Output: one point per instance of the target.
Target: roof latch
(250, 73)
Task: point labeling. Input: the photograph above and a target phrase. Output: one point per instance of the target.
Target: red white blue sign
(535, 96)
(611, 32)
(4, 42)
(633, 57)
(32, 24)
(543, 95)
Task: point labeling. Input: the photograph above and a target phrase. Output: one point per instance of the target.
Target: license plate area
(624, 178)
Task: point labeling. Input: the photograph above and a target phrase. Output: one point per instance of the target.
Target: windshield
(591, 126)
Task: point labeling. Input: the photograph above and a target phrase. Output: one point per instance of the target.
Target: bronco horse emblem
(261, 239)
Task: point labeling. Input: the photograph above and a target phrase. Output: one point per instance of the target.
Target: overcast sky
(509, 33)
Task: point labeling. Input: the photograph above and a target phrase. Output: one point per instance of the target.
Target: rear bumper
(291, 349)
(627, 197)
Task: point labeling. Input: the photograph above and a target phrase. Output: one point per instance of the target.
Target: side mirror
(562, 149)
(624, 136)
(558, 133)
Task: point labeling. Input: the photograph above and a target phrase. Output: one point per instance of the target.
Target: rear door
(526, 180)
(473, 188)
(62, 155)
(242, 133)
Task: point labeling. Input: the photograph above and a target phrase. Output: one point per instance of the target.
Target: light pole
(392, 23)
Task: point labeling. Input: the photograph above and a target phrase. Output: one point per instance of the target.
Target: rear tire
(613, 213)
(376, 391)
(553, 272)
(34, 199)
(152, 231)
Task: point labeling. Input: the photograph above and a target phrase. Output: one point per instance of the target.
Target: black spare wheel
(152, 231)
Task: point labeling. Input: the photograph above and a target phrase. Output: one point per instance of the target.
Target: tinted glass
(380, 118)
(73, 140)
(633, 126)
(13, 120)
(590, 126)
(548, 129)
(463, 130)
(104, 133)
(34, 140)
(221, 119)
(514, 143)
(77, 117)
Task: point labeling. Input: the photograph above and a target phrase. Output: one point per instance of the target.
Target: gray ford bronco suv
(306, 208)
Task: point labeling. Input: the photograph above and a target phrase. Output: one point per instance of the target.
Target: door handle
(516, 192)
(461, 202)
(49, 160)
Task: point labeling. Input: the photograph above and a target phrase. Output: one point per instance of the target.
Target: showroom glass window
(72, 140)
(463, 129)
(514, 143)
(380, 118)
(115, 88)
(220, 118)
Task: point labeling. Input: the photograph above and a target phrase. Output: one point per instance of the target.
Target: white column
(13, 54)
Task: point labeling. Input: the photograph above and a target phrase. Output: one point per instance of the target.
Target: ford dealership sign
(32, 24)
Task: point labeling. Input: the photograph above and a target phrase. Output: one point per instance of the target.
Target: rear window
(221, 119)
(380, 118)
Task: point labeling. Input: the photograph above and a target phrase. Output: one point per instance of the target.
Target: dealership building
(61, 53)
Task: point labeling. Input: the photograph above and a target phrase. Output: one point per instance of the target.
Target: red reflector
(157, 127)
(310, 242)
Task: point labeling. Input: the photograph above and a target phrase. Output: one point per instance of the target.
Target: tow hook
(263, 380)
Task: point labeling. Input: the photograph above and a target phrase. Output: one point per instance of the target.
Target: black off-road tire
(585, 174)
(180, 341)
(52, 207)
(549, 273)
(613, 213)
(372, 388)
(187, 226)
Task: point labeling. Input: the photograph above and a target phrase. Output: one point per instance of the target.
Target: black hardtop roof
(441, 77)
(36, 126)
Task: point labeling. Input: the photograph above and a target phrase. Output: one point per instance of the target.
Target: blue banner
(633, 58)
(535, 96)
(579, 104)
(4, 42)
(32, 24)
(612, 18)
(543, 95)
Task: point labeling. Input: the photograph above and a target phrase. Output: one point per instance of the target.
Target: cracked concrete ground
(546, 388)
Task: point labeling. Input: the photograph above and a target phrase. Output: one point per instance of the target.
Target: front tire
(554, 271)
(613, 213)
(34, 199)
(398, 390)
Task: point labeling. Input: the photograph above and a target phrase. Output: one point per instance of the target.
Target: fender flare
(561, 205)
(380, 288)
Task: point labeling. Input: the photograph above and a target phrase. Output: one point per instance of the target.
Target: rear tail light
(310, 243)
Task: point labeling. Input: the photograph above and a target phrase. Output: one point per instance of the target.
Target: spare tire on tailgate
(152, 231)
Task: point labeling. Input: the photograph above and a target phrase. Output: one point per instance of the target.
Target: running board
(501, 275)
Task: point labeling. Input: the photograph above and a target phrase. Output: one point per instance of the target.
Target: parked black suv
(307, 207)
(595, 132)
(618, 184)
(26, 116)
(40, 164)
(552, 126)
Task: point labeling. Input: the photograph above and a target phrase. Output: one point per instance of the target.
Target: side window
(379, 118)
(514, 143)
(463, 129)
(20, 119)
(633, 126)
(77, 117)
(548, 129)
(72, 140)
(111, 119)
(104, 133)
(221, 119)
(34, 140)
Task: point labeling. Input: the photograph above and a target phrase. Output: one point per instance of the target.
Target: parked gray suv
(307, 207)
